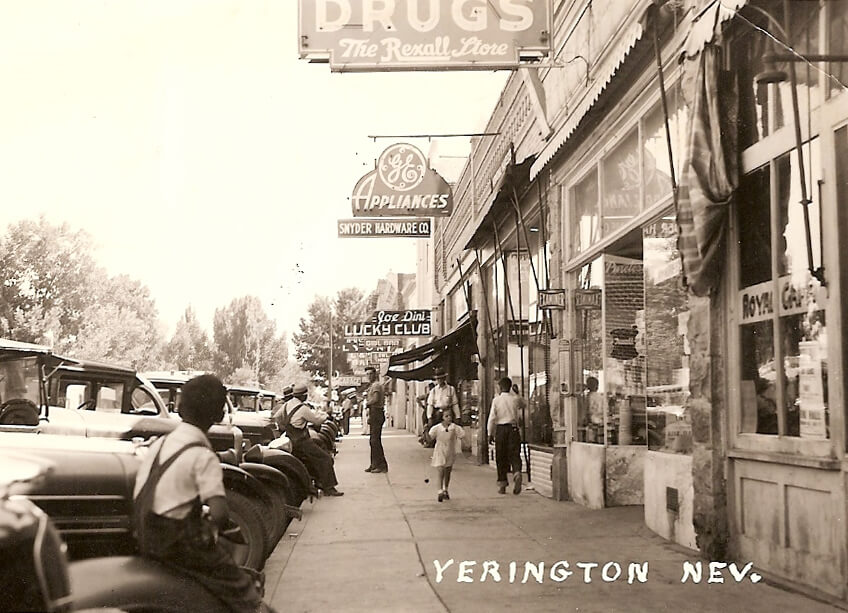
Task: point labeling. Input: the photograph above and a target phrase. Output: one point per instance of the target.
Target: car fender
(129, 583)
(239, 480)
(289, 465)
(267, 475)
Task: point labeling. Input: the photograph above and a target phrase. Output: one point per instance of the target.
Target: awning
(602, 78)
(451, 352)
(516, 176)
(707, 24)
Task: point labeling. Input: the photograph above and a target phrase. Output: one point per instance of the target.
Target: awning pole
(485, 295)
(664, 100)
(464, 289)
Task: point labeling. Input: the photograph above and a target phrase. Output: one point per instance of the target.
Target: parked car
(35, 572)
(256, 427)
(88, 495)
(130, 410)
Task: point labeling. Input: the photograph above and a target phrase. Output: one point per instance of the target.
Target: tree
(312, 342)
(189, 347)
(121, 326)
(46, 277)
(245, 337)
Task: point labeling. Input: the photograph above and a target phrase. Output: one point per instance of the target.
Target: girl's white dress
(446, 443)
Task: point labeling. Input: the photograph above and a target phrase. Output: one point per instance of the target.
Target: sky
(205, 159)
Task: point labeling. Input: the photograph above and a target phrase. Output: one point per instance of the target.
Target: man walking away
(375, 397)
(294, 418)
(503, 431)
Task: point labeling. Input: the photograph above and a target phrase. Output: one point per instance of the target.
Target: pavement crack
(417, 549)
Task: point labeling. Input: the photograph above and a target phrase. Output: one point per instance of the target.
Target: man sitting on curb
(294, 418)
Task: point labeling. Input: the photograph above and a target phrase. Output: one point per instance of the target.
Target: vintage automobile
(131, 410)
(256, 427)
(88, 495)
(35, 572)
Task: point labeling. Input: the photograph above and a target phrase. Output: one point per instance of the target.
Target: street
(387, 545)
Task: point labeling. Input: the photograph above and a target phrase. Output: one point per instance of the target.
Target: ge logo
(402, 167)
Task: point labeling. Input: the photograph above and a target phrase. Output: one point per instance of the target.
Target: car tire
(279, 515)
(244, 534)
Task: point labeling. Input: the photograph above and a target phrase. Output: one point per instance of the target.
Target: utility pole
(330, 372)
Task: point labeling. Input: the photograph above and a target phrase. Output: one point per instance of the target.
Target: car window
(19, 379)
(143, 401)
(109, 397)
(73, 395)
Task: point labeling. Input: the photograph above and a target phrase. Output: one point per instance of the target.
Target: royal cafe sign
(383, 35)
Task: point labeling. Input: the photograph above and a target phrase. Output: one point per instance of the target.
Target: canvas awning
(452, 352)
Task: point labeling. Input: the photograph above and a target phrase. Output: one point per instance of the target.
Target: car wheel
(280, 517)
(244, 534)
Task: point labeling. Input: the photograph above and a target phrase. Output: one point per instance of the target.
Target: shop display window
(622, 193)
(585, 222)
(666, 346)
(783, 333)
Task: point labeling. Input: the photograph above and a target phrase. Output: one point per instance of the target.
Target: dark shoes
(502, 487)
(447, 496)
(517, 489)
(379, 470)
(370, 469)
(333, 492)
(441, 496)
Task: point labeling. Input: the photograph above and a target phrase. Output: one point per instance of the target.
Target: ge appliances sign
(382, 35)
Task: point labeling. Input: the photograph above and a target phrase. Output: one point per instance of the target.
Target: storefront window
(621, 185)
(783, 333)
(838, 41)
(667, 349)
(754, 219)
(656, 169)
(585, 222)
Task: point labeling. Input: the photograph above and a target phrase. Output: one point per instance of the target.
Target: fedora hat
(300, 388)
(439, 372)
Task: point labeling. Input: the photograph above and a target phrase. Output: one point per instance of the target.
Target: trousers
(507, 450)
(318, 462)
(376, 419)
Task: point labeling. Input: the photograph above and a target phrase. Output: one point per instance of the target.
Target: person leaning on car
(180, 474)
(294, 418)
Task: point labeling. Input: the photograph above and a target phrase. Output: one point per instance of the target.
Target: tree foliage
(47, 273)
(53, 292)
(245, 337)
(189, 347)
(312, 342)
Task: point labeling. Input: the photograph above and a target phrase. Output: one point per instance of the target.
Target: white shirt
(304, 415)
(442, 398)
(504, 410)
(196, 473)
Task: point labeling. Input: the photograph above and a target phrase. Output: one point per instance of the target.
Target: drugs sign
(384, 35)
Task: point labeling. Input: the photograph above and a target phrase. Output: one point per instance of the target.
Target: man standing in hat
(376, 398)
(441, 398)
(294, 418)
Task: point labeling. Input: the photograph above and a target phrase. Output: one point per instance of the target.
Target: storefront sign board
(418, 227)
(402, 184)
(368, 36)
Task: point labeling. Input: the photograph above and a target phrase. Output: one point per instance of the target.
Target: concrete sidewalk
(377, 549)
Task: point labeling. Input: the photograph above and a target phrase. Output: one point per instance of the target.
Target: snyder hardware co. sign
(383, 35)
(402, 184)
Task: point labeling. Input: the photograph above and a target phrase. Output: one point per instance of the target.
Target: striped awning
(707, 24)
(603, 76)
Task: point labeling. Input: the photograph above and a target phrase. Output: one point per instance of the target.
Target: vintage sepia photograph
(423, 305)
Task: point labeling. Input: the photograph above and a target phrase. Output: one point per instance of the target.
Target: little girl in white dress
(446, 435)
